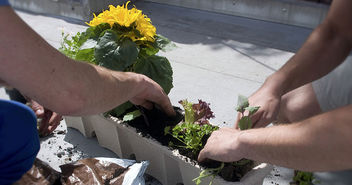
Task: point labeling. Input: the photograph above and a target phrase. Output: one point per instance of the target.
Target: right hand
(152, 93)
(269, 104)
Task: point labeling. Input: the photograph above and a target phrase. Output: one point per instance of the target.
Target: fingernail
(39, 111)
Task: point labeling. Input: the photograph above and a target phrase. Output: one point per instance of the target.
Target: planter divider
(81, 124)
(106, 132)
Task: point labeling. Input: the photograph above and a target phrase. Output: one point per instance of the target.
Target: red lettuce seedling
(198, 113)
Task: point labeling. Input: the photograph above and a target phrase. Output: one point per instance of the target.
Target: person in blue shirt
(29, 64)
(4, 3)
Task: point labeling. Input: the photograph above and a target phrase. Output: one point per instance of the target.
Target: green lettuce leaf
(189, 113)
(131, 115)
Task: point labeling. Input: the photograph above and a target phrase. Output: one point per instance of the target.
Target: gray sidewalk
(217, 58)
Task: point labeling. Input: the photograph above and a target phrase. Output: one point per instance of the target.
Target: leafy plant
(304, 178)
(242, 107)
(209, 172)
(195, 127)
(190, 135)
(122, 39)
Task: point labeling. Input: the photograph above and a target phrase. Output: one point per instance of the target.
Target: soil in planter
(158, 120)
(234, 173)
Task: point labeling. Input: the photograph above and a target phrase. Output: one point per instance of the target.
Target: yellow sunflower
(126, 17)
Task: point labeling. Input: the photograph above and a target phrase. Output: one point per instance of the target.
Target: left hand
(49, 119)
(223, 145)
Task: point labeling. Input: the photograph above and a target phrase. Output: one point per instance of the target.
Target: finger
(146, 104)
(239, 116)
(167, 107)
(202, 155)
(255, 118)
(44, 124)
(163, 102)
(262, 123)
(54, 122)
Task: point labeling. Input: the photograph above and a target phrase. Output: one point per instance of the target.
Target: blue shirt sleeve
(4, 3)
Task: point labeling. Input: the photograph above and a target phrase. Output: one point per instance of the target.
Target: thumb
(202, 156)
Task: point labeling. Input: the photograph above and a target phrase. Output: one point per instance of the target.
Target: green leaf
(121, 109)
(113, 54)
(189, 113)
(157, 68)
(148, 51)
(209, 172)
(86, 55)
(167, 130)
(81, 41)
(242, 103)
(252, 110)
(163, 43)
(96, 31)
(131, 115)
(245, 123)
(304, 178)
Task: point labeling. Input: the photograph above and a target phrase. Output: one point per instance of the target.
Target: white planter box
(166, 165)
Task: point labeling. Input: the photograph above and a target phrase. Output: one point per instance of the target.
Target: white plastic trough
(169, 167)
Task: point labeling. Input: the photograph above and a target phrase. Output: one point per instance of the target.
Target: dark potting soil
(153, 122)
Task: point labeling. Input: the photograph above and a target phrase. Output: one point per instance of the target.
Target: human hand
(153, 93)
(269, 104)
(49, 119)
(223, 145)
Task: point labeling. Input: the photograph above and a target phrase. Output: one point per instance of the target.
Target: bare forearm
(57, 82)
(327, 47)
(321, 53)
(318, 144)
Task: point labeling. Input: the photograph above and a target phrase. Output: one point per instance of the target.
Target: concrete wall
(293, 12)
(78, 9)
